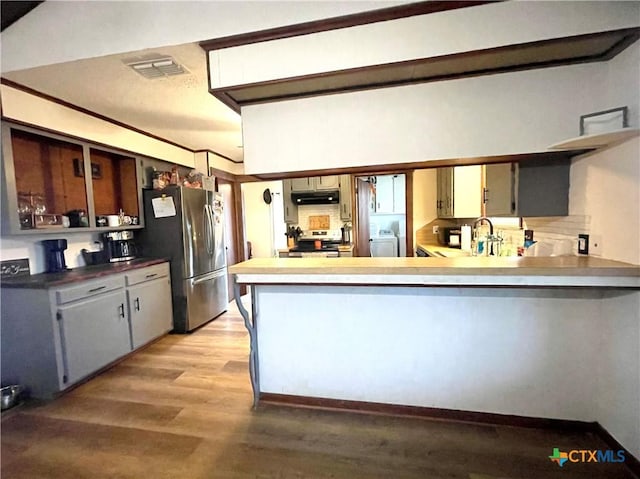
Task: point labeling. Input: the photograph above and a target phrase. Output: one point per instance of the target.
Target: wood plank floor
(181, 408)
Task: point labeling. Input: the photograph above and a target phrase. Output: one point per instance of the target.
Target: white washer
(385, 245)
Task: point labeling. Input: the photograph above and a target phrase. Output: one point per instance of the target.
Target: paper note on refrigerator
(163, 207)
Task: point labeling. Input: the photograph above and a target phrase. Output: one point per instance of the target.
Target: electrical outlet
(595, 246)
(583, 244)
(436, 229)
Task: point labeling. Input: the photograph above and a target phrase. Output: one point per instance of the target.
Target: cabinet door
(150, 310)
(467, 191)
(399, 193)
(302, 184)
(345, 198)
(543, 188)
(290, 209)
(384, 194)
(445, 192)
(327, 182)
(500, 190)
(93, 333)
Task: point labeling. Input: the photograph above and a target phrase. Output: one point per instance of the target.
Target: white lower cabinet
(150, 310)
(93, 333)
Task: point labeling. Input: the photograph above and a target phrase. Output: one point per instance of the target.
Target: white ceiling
(177, 108)
(83, 65)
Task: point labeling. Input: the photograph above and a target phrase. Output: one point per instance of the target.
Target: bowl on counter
(10, 396)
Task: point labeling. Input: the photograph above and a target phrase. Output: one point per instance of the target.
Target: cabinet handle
(151, 275)
(137, 304)
(121, 310)
(97, 289)
(485, 196)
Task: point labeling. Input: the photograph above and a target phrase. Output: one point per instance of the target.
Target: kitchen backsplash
(545, 229)
(557, 228)
(304, 211)
(30, 247)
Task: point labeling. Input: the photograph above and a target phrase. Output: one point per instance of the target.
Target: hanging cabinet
(54, 184)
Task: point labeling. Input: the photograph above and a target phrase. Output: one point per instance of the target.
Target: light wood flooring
(181, 408)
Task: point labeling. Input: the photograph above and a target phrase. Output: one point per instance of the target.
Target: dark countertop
(50, 280)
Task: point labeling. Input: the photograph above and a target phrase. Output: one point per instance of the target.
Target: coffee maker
(119, 246)
(54, 255)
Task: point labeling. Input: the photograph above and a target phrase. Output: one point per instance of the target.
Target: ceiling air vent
(156, 66)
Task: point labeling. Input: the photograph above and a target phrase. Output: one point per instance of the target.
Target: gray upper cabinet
(532, 188)
(444, 201)
(345, 198)
(500, 189)
(289, 207)
(47, 178)
(315, 183)
(301, 185)
(327, 182)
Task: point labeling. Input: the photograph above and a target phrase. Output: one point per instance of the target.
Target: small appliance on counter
(119, 246)
(346, 233)
(54, 255)
(451, 236)
(96, 256)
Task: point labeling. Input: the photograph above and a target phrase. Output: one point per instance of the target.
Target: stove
(328, 235)
(322, 243)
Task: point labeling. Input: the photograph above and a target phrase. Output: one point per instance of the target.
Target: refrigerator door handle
(211, 230)
(209, 277)
(206, 219)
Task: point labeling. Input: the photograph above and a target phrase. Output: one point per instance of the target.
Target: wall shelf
(596, 141)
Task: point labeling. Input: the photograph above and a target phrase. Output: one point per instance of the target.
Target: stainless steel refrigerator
(185, 225)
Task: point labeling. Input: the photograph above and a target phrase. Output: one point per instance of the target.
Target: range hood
(322, 197)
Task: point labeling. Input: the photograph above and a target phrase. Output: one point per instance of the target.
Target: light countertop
(75, 275)
(572, 271)
(437, 250)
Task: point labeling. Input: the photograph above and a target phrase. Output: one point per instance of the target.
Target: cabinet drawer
(147, 274)
(88, 289)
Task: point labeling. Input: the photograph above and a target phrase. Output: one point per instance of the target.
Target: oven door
(313, 254)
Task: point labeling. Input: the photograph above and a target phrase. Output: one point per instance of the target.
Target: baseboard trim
(454, 415)
(631, 461)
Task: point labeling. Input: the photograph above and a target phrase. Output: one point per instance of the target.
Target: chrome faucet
(490, 240)
(480, 220)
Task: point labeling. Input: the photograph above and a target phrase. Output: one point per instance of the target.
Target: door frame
(408, 206)
(237, 232)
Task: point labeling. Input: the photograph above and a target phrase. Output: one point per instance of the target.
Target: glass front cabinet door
(52, 184)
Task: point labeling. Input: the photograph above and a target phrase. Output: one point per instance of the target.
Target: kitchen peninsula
(554, 337)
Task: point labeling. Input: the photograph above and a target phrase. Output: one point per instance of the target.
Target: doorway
(232, 236)
(383, 214)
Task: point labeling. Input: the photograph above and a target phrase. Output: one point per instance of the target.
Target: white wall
(421, 36)
(619, 370)
(31, 248)
(606, 186)
(263, 223)
(43, 37)
(490, 115)
(21, 106)
(425, 194)
(524, 352)
(216, 161)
